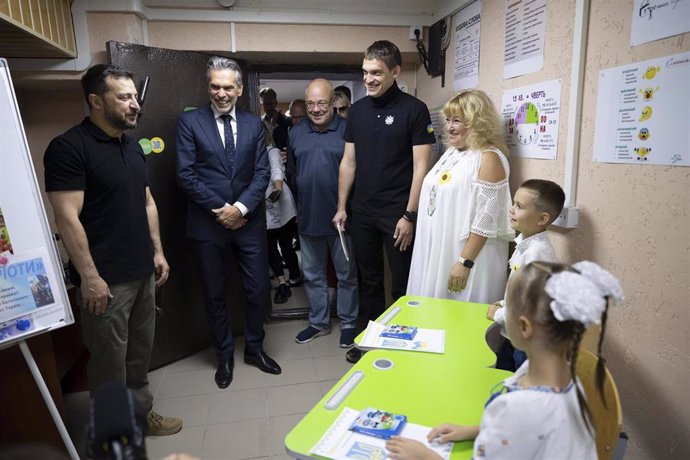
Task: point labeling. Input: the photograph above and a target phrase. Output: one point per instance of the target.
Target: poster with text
(525, 23)
(467, 31)
(643, 113)
(531, 115)
(29, 298)
(657, 19)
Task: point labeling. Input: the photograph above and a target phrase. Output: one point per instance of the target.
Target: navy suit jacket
(202, 170)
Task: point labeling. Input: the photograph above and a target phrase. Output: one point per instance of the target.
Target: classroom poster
(525, 23)
(467, 31)
(532, 115)
(28, 296)
(33, 297)
(657, 19)
(643, 113)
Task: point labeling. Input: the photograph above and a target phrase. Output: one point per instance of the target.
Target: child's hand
(408, 449)
(492, 310)
(449, 432)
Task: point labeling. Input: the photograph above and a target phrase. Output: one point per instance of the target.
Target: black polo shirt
(112, 174)
(384, 130)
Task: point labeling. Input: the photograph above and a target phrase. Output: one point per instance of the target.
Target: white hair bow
(582, 296)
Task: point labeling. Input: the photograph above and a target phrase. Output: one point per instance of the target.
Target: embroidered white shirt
(536, 247)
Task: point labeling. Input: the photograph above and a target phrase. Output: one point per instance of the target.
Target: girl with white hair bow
(540, 412)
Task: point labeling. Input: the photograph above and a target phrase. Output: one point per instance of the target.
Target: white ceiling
(383, 12)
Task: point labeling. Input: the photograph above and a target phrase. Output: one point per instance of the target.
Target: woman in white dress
(461, 243)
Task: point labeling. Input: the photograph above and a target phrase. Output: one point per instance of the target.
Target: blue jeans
(315, 252)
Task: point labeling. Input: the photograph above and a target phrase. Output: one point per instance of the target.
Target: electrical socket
(568, 218)
(412, 35)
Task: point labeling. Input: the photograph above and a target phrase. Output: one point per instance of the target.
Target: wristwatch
(466, 262)
(410, 216)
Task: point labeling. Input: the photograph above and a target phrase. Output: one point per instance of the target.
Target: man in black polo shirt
(387, 148)
(95, 177)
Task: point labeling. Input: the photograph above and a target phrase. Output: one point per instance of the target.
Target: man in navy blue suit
(222, 166)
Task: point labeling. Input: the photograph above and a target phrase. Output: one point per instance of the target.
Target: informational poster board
(33, 297)
(657, 19)
(532, 116)
(643, 113)
(524, 37)
(467, 32)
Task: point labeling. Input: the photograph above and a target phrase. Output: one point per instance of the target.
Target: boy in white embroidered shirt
(536, 204)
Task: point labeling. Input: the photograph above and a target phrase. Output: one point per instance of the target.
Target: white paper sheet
(427, 340)
(339, 443)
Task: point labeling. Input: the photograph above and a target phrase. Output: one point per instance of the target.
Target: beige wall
(634, 220)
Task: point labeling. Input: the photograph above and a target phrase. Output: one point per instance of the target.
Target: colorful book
(398, 331)
(378, 423)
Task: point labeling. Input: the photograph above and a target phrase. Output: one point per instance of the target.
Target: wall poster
(643, 113)
(532, 115)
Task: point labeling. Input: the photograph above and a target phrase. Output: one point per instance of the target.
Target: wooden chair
(607, 420)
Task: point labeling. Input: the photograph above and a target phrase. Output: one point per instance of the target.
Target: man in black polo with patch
(387, 151)
(95, 177)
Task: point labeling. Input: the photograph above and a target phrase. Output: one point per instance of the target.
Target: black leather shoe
(283, 293)
(264, 362)
(224, 374)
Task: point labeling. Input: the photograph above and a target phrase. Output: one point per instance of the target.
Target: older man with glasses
(316, 148)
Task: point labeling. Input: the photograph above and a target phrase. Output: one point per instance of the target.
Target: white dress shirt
(220, 124)
(536, 247)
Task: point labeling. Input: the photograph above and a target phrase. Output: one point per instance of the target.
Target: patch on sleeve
(430, 129)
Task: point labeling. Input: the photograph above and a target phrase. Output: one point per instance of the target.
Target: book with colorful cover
(398, 331)
(378, 423)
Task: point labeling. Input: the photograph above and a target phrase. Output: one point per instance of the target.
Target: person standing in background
(317, 148)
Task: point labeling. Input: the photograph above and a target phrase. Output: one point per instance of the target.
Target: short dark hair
(295, 102)
(93, 81)
(268, 91)
(549, 196)
(345, 90)
(384, 51)
(223, 63)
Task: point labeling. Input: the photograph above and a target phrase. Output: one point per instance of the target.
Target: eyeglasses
(342, 109)
(321, 104)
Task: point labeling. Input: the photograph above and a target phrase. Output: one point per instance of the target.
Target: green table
(429, 388)
(465, 325)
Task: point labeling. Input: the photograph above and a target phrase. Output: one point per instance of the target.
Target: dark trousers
(370, 234)
(121, 339)
(283, 236)
(248, 246)
(509, 358)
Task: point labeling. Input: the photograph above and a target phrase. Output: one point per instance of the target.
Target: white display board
(657, 19)
(643, 113)
(525, 23)
(467, 32)
(33, 296)
(532, 116)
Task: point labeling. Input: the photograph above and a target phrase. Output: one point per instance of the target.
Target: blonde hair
(476, 110)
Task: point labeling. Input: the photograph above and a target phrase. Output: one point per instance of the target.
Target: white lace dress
(454, 202)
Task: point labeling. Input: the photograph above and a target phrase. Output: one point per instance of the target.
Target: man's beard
(117, 122)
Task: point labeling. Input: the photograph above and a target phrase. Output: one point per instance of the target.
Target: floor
(251, 418)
